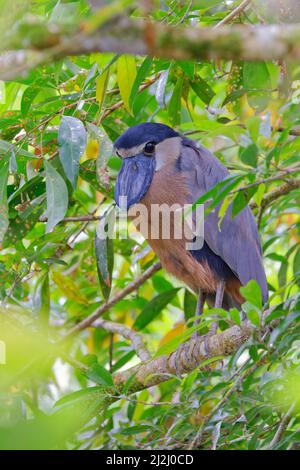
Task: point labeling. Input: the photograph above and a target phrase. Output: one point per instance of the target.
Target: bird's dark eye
(149, 148)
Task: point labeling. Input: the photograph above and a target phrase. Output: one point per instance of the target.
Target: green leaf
(101, 86)
(188, 67)
(189, 304)
(223, 210)
(252, 293)
(126, 74)
(296, 265)
(254, 124)
(249, 155)
(42, 299)
(32, 188)
(258, 196)
(104, 251)
(282, 276)
(72, 142)
(57, 196)
(4, 169)
(252, 315)
(233, 96)
(241, 200)
(202, 89)
(235, 316)
(141, 74)
(136, 430)
(219, 191)
(175, 102)
(100, 375)
(77, 396)
(28, 96)
(25, 221)
(257, 82)
(153, 308)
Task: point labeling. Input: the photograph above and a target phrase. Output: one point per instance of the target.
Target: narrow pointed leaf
(4, 168)
(104, 252)
(99, 375)
(126, 73)
(257, 82)
(202, 89)
(141, 74)
(175, 102)
(28, 96)
(101, 86)
(252, 293)
(72, 143)
(42, 299)
(153, 308)
(57, 197)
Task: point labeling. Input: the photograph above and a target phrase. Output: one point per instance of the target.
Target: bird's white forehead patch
(165, 151)
(125, 153)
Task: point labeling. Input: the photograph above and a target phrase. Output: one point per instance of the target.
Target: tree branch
(138, 37)
(282, 427)
(88, 321)
(159, 369)
(291, 185)
(235, 12)
(277, 193)
(122, 330)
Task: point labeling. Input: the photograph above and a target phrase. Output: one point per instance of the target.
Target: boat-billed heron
(160, 166)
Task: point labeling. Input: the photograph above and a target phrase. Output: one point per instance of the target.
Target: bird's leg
(218, 303)
(185, 346)
(199, 310)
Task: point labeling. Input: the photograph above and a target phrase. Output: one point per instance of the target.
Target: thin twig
(282, 427)
(122, 330)
(198, 437)
(276, 194)
(88, 321)
(79, 218)
(120, 103)
(235, 12)
(111, 352)
(278, 176)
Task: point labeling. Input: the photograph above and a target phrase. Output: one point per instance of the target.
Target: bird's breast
(161, 222)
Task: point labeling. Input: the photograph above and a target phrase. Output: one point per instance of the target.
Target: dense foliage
(57, 173)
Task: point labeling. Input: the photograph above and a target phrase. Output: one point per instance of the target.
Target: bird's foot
(188, 357)
(183, 348)
(213, 328)
(212, 331)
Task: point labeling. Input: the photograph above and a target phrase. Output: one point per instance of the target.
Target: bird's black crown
(144, 132)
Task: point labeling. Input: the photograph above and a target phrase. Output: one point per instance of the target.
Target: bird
(162, 166)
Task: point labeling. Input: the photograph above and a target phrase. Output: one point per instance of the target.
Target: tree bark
(158, 370)
(138, 37)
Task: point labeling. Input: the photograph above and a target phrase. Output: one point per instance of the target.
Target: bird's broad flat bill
(134, 179)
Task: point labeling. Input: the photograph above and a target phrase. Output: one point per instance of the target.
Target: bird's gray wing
(236, 241)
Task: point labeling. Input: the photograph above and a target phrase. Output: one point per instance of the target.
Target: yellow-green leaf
(101, 86)
(258, 196)
(126, 73)
(69, 288)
